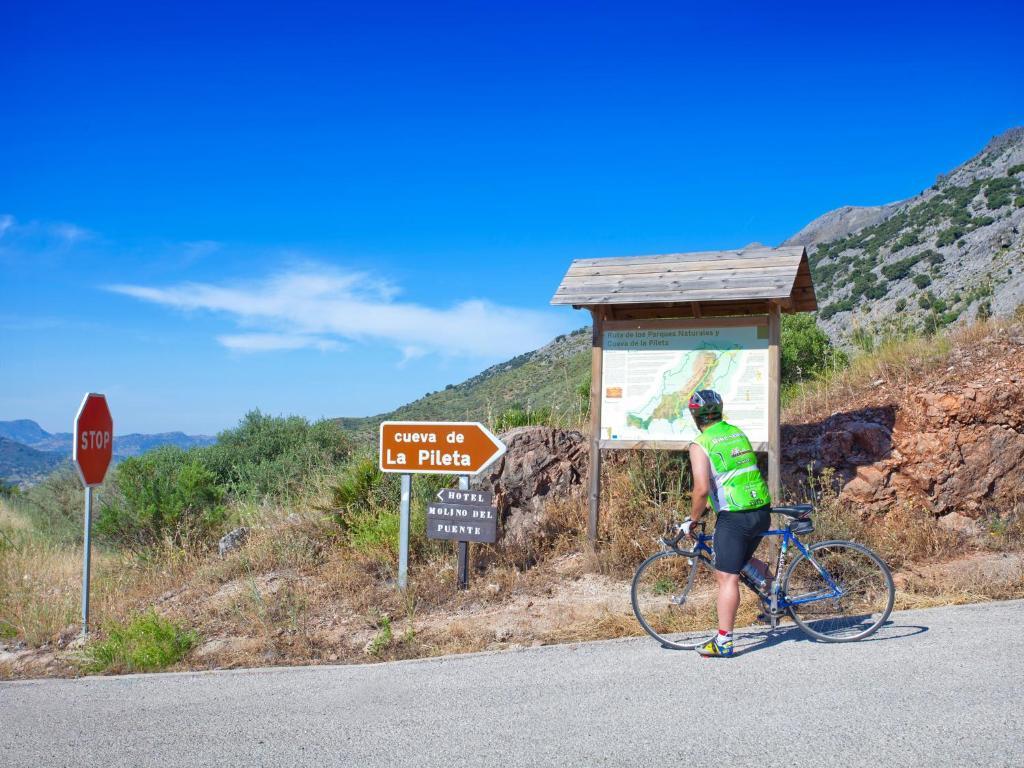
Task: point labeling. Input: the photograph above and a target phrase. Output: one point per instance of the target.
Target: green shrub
(922, 281)
(147, 643)
(806, 350)
(1019, 202)
(998, 192)
(844, 305)
(583, 393)
(164, 493)
(272, 456)
(905, 241)
(901, 304)
(518, 416)
(55, 506)
(949, 236)
(899, 269)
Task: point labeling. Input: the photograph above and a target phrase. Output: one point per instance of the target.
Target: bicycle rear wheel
(666, 601)
(866, 592)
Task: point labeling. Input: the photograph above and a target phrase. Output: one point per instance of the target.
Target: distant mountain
(954, 251)
(23, 465)
(24, 431)
(45, 450)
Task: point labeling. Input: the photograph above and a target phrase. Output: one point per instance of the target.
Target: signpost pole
(403, 532)
(463, 570)
(85, 561)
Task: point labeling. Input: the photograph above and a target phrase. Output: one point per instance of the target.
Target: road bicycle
(835, 591)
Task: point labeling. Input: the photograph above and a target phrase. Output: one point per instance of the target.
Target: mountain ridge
(899, 266)
(44, 451)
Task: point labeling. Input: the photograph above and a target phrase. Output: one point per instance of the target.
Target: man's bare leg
(728, 599)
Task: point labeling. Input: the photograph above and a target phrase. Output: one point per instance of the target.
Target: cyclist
(725, 472)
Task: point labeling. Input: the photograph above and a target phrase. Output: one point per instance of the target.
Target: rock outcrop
(951, 441)
(542, 464)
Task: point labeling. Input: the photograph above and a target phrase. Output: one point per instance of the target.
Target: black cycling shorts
(737, 535)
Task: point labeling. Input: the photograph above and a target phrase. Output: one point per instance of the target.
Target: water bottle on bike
(756, 575)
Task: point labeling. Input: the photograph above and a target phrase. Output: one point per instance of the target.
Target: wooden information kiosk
(666, 325)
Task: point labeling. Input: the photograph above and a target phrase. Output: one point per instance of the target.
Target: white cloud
(313, 304)
(69, 233)
(34, 236)
(266, 342)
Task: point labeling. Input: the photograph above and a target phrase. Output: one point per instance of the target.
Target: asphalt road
(933, 688)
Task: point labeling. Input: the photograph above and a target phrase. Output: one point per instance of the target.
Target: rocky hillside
(939, 426)
(954, 251)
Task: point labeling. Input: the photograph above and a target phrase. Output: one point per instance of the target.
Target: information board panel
(649, 374)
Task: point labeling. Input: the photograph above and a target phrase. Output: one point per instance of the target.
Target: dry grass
(41, 583)
(896, 361)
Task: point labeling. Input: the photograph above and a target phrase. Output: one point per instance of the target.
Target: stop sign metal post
(93, 448)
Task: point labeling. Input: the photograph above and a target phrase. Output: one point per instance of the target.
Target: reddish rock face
(951, 440)
(540, 465)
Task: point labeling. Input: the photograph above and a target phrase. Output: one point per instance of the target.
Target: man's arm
(700, 467)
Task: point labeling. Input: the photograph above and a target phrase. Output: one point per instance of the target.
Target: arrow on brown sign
(437, 447)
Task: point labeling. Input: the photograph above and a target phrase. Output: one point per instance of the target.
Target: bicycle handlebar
(674, 541)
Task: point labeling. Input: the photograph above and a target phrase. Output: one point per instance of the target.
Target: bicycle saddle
(794, 510)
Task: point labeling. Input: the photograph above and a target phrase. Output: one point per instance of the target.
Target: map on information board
(649, 375)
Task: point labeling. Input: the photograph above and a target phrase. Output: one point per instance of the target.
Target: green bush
(583, 393)
(1019, 202)
(55, 506)
(518, 416)
(164, 493)
(365, 504)
(949, 236)
(272, 456)
(901, 304)
(899, 269)
(147, 643)
(905, 241)
(922, 281)
(806, 350)
(844, 305)
(1013, 170)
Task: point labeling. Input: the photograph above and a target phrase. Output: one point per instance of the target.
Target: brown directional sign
(459, 496)
(462, 522)
(437, 447)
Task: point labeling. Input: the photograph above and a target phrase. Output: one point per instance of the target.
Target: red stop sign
(94, 439)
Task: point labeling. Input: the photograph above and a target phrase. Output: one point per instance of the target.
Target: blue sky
(331, 209)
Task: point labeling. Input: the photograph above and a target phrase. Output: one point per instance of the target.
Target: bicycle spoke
(667, 603)
(842, 593)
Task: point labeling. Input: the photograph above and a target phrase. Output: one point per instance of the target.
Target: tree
(806, 350)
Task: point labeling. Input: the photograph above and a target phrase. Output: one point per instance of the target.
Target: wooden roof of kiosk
(703, 284)
(648, 291)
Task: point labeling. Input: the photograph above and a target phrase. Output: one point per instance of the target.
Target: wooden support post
(774, 403)
(596, 355)
(462, 574)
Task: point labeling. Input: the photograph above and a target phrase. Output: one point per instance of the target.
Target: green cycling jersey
(736, 483)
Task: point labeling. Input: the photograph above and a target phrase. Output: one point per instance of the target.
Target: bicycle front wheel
(667, 601)
(842, 593)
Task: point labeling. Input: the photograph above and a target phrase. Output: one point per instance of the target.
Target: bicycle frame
(773, 600)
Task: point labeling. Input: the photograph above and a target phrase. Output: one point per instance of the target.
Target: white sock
(723, 639)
